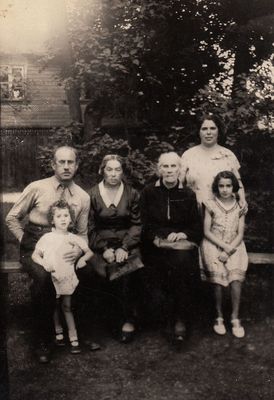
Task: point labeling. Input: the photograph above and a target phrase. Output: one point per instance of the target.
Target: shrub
(141, 162)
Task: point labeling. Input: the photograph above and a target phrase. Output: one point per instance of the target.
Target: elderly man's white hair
(170, 153)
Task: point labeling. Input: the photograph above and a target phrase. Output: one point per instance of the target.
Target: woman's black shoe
(127, 337)
(43, 353)
(179, 339)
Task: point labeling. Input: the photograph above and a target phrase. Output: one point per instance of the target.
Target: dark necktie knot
(62, 192)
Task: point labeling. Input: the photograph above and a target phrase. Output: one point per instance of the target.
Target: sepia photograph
(137, 199)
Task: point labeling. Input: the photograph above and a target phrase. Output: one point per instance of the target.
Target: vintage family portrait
(137, 172)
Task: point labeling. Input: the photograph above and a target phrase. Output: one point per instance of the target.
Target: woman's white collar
(106, 198)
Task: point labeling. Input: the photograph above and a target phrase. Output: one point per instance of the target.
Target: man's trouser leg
(42, 290)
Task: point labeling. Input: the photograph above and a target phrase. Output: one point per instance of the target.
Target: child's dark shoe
(59, 340)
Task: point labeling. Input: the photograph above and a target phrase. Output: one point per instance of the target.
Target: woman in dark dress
(171, 232)
(115, 228)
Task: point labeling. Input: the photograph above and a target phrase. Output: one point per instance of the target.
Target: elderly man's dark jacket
(169, 210)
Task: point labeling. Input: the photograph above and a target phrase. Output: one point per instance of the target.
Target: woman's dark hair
(62, 205)
(109, 157)
(217, 121)
(225, 175)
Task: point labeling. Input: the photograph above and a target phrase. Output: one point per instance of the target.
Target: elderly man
(34, 202)
(171, 231)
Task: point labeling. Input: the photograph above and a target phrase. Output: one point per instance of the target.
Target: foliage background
(151, 69)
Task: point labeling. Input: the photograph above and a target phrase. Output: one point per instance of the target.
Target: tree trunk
(243, 63)
(92, 120)
(60, 26)
(73, 99)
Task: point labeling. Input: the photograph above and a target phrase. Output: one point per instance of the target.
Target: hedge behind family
(123, 242)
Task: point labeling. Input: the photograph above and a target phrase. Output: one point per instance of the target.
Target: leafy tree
(249, 34)
(140, 60)
(143, 62)
(159, 64)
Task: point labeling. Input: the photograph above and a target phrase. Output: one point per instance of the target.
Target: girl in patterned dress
(49, 253)
(223, 252)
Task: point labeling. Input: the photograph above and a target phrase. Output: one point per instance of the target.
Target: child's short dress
(225, 224)
(52, 246)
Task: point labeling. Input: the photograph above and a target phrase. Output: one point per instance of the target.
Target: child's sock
(59, 333)
(73, 335)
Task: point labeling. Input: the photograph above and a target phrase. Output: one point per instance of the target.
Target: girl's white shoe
(219, 327)
(237, 329)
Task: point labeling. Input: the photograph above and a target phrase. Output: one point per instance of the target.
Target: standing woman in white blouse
(201, 163)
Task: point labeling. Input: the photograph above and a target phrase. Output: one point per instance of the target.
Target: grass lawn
(209, 367)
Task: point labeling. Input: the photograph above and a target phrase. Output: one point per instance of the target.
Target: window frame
(8, 81)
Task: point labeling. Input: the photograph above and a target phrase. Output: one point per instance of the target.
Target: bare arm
(214, 239)
(37, 257)
(83, 260)
(235, 243)
(241, 191)
(82, 230)
(239, 238)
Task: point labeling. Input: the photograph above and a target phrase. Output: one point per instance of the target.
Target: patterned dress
(200, 168)
(225, 224)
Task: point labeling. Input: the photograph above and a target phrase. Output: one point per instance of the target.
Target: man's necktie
(63, 192)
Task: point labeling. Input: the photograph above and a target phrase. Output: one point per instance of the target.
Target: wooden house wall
(25, 124)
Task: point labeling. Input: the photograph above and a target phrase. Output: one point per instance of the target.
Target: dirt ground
(208, 367)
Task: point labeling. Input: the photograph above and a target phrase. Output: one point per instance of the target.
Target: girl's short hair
(217, 121)
(226, 175)
(109, 157)
(61, 204)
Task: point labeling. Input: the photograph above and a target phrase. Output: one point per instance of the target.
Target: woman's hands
(119, 255)
(229, 249)
(223, 257)
(174, 237)
(109, 255)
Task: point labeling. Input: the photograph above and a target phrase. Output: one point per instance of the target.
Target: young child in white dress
(223, 252)
(49, 253)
